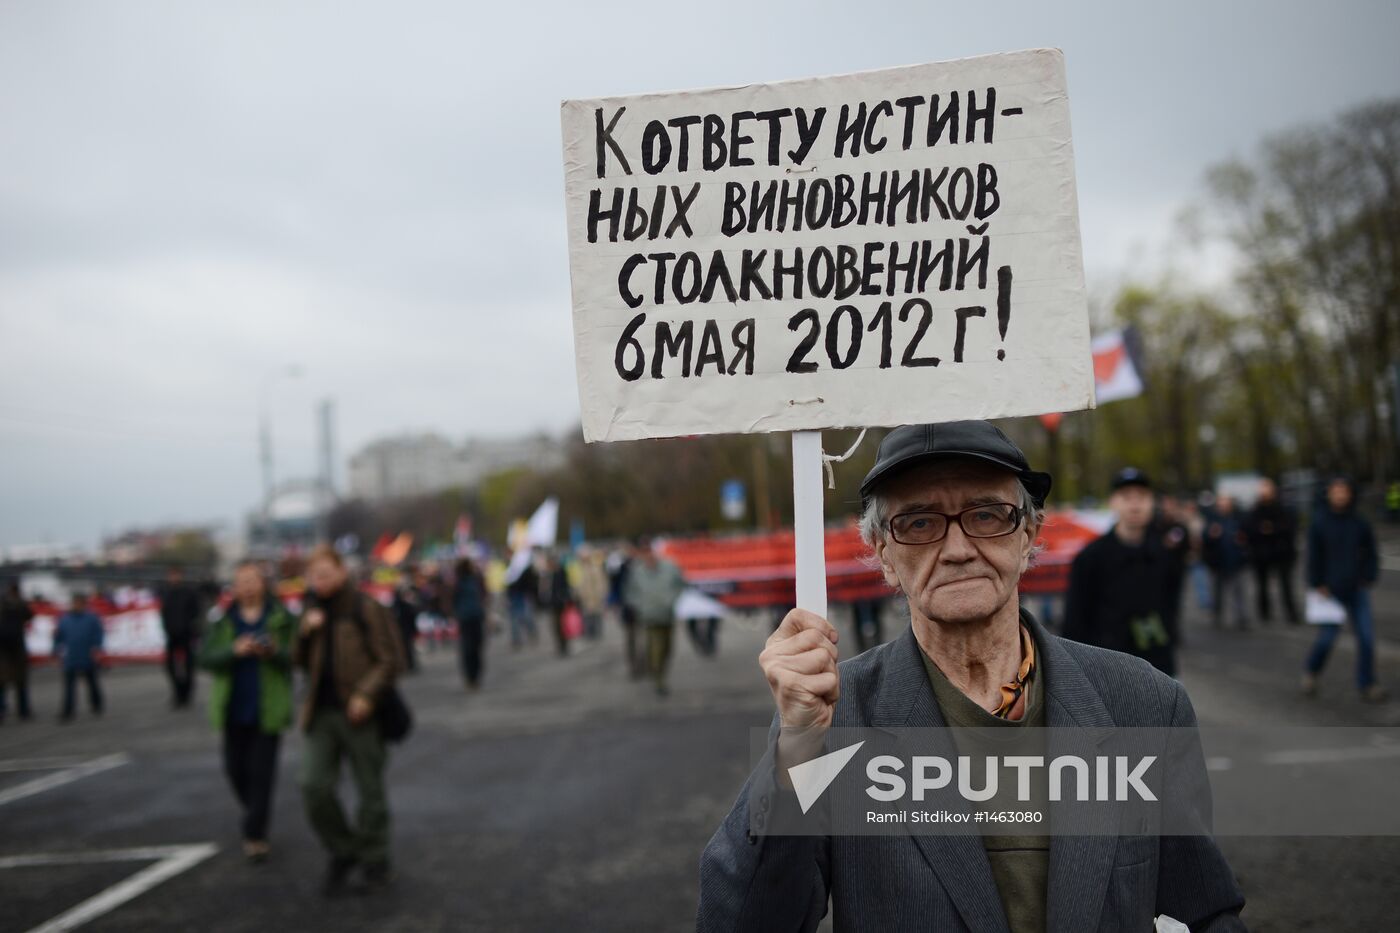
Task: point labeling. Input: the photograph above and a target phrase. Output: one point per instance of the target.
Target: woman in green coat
(249, 651)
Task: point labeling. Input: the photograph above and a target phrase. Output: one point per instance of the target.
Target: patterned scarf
(1013, 694)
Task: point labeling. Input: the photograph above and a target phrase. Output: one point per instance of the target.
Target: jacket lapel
(906, 700)
(1080, 866)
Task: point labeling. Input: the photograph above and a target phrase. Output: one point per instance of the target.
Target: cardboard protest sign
(869, 249)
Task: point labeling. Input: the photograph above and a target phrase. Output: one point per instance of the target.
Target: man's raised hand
(799, 662)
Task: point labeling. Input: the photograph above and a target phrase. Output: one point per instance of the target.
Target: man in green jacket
(249, 652)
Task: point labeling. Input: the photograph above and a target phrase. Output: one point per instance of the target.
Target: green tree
(1315, 219)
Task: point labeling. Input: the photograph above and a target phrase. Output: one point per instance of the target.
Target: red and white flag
(1116, 373)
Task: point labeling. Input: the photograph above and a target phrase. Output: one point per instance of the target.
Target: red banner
(753, 571)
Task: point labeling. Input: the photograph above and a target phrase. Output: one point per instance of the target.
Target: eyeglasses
(991, 520)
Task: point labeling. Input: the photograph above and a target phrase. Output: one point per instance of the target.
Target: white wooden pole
(809, 526)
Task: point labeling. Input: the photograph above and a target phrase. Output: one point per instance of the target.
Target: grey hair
(874, 519)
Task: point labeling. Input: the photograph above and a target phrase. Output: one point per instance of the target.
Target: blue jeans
(522, 619)
(1358, 606)
(1200, 579)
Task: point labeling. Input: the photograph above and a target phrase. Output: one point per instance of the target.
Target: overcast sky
(195, 195)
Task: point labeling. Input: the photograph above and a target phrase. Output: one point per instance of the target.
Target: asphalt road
(561, 796)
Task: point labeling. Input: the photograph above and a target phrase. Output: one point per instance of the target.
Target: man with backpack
(351, 653)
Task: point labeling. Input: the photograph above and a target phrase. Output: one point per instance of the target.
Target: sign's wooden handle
(809, 526)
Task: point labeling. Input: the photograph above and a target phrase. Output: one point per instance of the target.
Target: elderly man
(952, 514)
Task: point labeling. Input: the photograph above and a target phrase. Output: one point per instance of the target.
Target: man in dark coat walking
(1343, 564)
(14, 654)
(1270, 531)
(1223, 549)
(179, 616)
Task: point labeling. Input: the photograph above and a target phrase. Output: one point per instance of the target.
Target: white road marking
(39, 764)
(169, 862)
(59, 778)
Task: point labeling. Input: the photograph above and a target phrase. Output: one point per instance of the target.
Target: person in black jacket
(1269, 530)
(406, 609)
(1121, 586)
(469, 609)
(14, 654)
(1343, 564)
(555, 596)
(1223, 549)
(179, 616)
(1169, 526)
(627, 615)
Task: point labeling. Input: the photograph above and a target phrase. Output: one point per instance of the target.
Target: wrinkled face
(1132, 506)
(1339, 495)
(247, 585)
(956, 580)
(325, 577)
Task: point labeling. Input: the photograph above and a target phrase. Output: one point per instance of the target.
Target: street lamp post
(265, 431)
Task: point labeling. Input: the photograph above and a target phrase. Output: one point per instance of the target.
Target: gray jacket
(652, 591)
(774, 884)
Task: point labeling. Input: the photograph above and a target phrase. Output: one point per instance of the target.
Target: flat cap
(968, 440)
(1130, 476)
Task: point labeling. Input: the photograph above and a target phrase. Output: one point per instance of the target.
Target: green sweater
(274, 673)
(652, 591)
(1020, 864)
